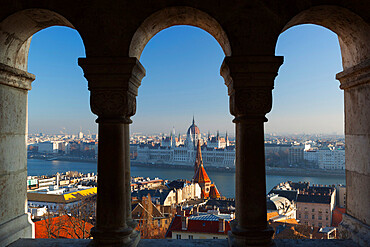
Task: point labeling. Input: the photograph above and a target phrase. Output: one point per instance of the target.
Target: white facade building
(216, 152)
(331, 158)
(311, 155)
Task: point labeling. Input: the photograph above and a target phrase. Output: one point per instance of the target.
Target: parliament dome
(193, 129)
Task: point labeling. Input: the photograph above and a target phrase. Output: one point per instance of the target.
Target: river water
(224, 181)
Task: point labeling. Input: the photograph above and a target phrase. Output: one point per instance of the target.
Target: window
(313, 210)
(320, 224)
(215, 237)
(320, 210)
(299, 215)
(305, 209)
(320, 217)
(190, 236)
(313, 216)
(306, 216)
(178, 236)
(327, 211)
(327, 218)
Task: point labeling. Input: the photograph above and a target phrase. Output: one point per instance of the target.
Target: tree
(51, 225)
(80, 217)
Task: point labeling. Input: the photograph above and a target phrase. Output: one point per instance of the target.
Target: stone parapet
(351, 228)
(186, 242)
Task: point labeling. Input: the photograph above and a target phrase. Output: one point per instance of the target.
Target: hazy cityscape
(310, 164)
(184, 125)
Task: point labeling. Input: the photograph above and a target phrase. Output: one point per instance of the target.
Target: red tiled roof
(62, 227)
(337, 216)
(213, 192)
(197, 226)
(201, 175)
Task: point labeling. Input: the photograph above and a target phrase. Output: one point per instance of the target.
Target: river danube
(224, 181)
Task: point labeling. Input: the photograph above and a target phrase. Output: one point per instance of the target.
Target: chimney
(195, 210)
(221, 225)
(184, 223)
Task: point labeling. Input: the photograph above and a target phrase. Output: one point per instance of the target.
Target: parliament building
(216, 150)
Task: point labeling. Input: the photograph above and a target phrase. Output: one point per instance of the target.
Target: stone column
(355, 82)
(113, 83)
(14, 221)
(250, 81)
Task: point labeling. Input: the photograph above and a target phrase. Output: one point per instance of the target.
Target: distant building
(331, 158)
(341, 196)
(80, 135)
(172, 150)
(171, 195)
(55, 199)
(210, 225)
(311, 155)
(271, 148)
(295, 154)
(48, 147)
(315, 204)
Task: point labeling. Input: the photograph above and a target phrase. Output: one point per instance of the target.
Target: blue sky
(183, 79)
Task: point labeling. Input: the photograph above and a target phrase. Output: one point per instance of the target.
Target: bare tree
(53, 225)
(79, 218)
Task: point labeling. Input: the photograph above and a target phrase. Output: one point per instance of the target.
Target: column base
(131, 223)
(123, 237)
(250, 237)
(19, 227)
(352, 228)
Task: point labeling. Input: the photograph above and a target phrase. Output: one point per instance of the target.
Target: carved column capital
(355, 76)
(15, 77)
(250, 80)
(113, 83)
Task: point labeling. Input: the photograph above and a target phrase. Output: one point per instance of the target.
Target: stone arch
(353, 32)
(173, 16)
(16, 33)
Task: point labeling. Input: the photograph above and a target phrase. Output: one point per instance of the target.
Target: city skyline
(183, 80)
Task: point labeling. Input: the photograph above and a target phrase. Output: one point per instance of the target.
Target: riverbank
(223, 178)
(269, 170)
